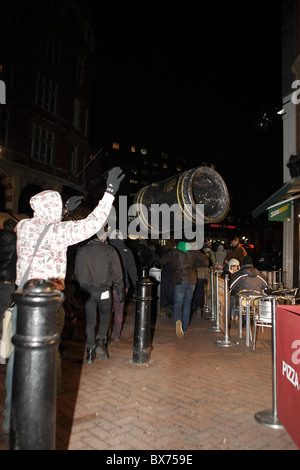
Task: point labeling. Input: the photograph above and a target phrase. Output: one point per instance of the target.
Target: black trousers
(99, 301)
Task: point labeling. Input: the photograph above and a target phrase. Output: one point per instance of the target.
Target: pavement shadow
(73, 356)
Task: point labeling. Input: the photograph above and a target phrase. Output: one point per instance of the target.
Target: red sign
(232, 227)
(288, 369)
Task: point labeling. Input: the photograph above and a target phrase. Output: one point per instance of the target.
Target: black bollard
(141, 346)
(33, 412)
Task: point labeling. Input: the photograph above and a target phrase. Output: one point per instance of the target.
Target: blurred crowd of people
(103, 271)
(99, 269)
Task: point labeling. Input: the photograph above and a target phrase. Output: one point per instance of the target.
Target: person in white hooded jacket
(50, 261)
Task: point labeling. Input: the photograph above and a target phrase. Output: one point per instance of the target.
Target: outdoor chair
(247, 300)
(263, 317)
(286, 296)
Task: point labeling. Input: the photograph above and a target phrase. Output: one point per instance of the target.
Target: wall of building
(47, 64)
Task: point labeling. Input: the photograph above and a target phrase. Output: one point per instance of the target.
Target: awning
(288, 192)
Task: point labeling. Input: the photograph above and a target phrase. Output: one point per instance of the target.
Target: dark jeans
(183, 296)
(98, 299)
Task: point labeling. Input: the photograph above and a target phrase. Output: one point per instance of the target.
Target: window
(144, 151)
(42, 142)
(116, 145)
(76, 115)
(45, 93)
(50, 46)
(86, 126)
(132, 149)
(74, 160)
(80, 71)
(165, 165)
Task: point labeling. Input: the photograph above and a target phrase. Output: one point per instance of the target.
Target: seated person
(233, 267)
(247, 278)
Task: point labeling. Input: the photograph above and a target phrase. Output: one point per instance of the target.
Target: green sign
(280, 213)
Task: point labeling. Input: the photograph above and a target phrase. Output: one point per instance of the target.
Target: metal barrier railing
(266, 417)
(218, 306)
(226, 341)
(269, 417)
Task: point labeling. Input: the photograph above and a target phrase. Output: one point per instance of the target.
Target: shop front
(288, 368)
(284, 206)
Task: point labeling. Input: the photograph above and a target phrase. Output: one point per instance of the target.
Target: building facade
(47, 65)
(284, 205)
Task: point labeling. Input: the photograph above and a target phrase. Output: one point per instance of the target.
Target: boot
(90, 356)
(101, 349)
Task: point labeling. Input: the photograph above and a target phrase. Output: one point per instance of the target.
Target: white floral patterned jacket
(50, 260)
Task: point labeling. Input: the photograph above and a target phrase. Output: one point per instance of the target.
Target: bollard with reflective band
(141, 346)
(33, 415)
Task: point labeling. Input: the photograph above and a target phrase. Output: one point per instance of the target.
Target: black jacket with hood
(97, 265)
(185, 262)
(247, 278)
(8, 256)
(127, 261)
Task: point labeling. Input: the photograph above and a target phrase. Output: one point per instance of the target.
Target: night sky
(200, 76)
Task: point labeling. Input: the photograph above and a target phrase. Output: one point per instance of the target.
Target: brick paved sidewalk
(192, 395)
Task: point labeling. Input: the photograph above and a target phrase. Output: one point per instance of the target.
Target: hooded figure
(233, 265)
(51, 259)
(220, 256)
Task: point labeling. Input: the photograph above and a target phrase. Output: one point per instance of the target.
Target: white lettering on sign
(295, 358)
(290, 374)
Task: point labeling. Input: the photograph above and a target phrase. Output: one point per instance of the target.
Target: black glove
(121, 295)
(73, 202)
(115, 176)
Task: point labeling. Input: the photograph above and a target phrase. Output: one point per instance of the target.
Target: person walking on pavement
(129, 275)
(207, 249)
(98, 270)
(185, 262)
(50, 261)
